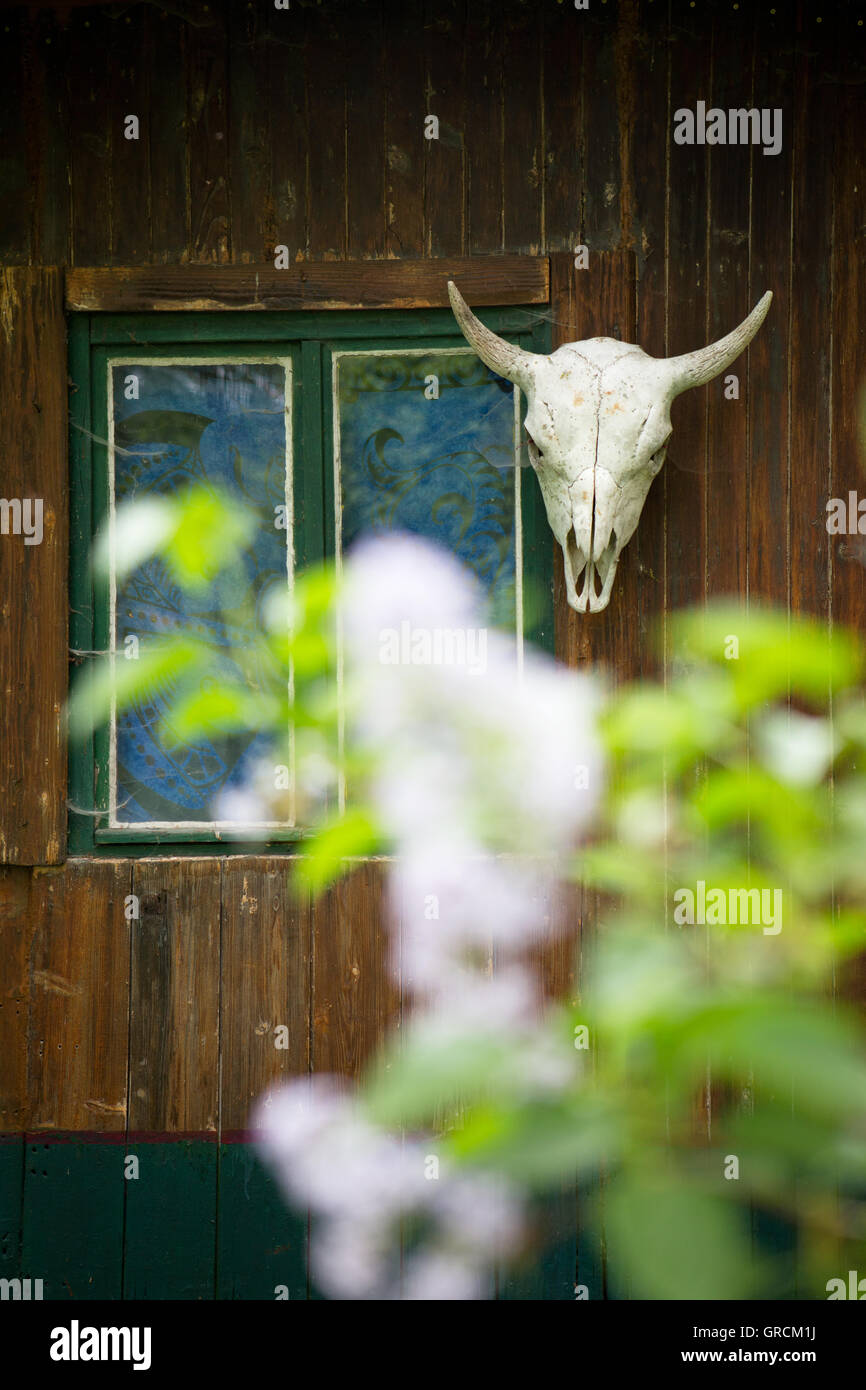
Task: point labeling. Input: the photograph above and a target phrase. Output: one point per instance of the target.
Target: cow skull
(598, 423)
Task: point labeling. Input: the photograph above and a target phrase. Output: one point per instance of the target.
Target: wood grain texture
(164, 42)
(46, 139)
(523, 152)
(848, 366)
(15, 228)
(769, 355)
(647, 175)
(405, 109)
(285, 221)
(381, 284)
(129, 160)
(207, 138)
(684, 474)
(564, 167)
(33, 577)
(445, 157)
(79, 1028)
(363, 28)
(16, 941)
(484, 133)
(175, 997)
(88, 102)
(355, 1000)
(326, 58)
(249, 131)
(731, 297)
(266, 984)
(811, 348)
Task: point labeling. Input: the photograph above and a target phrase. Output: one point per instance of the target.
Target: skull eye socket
(658, 458)
(534, 452)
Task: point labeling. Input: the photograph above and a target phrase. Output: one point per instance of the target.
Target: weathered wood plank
(484, 132)
(730, 299)
(848, 328)
(684, 473)
(169, 1231)
(15, 243)
(16, 939)
(249, 131)
(73, 1215)
(445, 158)
(647, 174)
(175, 992)
(33, 568)
(261, 1242)
(564, 166)
(78, 1062)
(403, 284)
(165, 41)
(47, 130)
(355, 1000)
(129, 166)
(265, 984)
(812, 246)
(11, 1204)
(405, 146)
(88, 87)
(326, 63)
(523, 153)
(207, 135)
(602, 134)
(364, 29)
(770, 352)
(285, 223)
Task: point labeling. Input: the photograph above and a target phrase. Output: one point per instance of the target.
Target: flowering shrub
(706, 1083)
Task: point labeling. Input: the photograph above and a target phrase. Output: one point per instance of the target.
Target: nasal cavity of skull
(594, 573)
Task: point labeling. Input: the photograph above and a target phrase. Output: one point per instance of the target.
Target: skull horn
(501, 357)
(697, 368)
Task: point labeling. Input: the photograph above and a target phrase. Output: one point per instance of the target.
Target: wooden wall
(306, 127)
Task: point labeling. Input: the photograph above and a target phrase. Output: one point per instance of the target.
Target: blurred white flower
(796, 748)
(483, 777)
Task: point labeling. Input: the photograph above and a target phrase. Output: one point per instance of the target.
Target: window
(331, 425)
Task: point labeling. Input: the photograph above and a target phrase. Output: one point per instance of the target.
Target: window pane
(425, 442)
(224, 423)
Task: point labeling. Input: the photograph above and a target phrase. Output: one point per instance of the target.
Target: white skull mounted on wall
(598, 420)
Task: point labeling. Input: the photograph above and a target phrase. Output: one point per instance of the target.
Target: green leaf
(668, 1240)
(125, 680)
(353, 834)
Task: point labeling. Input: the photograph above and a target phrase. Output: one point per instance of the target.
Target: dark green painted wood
(170, 1238)
(11, 1195)
(73, 1217)
(548, 1274)
(134, 330)
(80, 588)
(261, 1243)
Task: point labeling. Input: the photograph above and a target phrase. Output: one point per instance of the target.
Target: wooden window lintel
(398, 284)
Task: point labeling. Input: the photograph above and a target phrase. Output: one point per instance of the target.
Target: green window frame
(309, 338)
